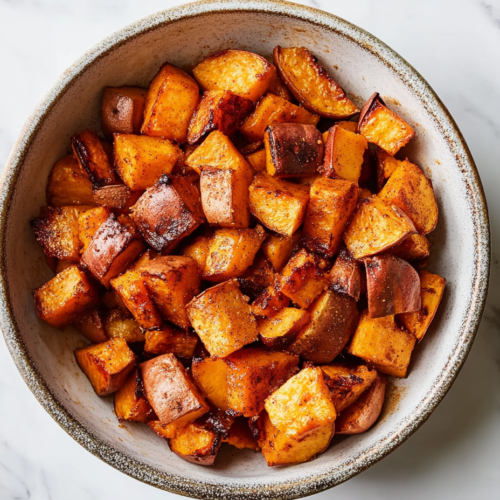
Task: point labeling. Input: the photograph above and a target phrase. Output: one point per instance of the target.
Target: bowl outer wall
(326, 471)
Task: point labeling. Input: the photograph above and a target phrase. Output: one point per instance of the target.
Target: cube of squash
(383, 345)
(383, 127)
(222, 319)
(257, 160)
(333, 319)
(257, 277)
(89, 222)
(243, 73)
(415, 247)
(165, 431)
(141, 160)
(121, 324)
(281, 330)
(253, 374)
(332, 203)
(385, 165)
(240, 436)
(376, 227)
(278, 204)
(231, 252)
(91, 325)
(345, 275)
(273, 109)
(182, 343)
(278, 248)
(122, 110)
(218, 110)
(61, 300)
(106, 365)
(170, 103)
(211, 376)
(432, 290)
(130, 400)
(197, 249)
(344, 153)
(168, 212)
(270, 301)
(410, 190)
(69, 184)
(171, 391)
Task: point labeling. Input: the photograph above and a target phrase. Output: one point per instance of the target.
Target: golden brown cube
(270, 301)
(211, 376)
(120, 324)
(257, 160)
(182, 343)
(130, 400)
(278, 248)
(257, 277)
(197, 249)
(385, 166)
(345, 275)
(415, 247)
(281, 330)
(279, 88)
(89, 222)
(91, 325)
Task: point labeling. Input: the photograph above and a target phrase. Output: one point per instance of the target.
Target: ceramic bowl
(183, 36)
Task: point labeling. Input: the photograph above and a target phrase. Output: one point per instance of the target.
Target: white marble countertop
(455, 45)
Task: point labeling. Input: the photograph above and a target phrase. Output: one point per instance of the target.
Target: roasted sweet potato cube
(383, 127)
(170, 103)
(333, 319)
(383, 345)
(121, 324)
(182, 343)
(293, 149)
(243, 73)
(376, 227)
(278, 248)
(130, 400)
(218, 110)
(273, 109)
(90, 154)
(89, 222)
(415, 247)
(106, 365)
(240, 435)
(168, 212)
(332, 203)
(345, 275)
(347, 383)
(253, 374)
(270, 301)
(211, 376)
(280, 205)
(69, 184)
(302, 279)
(385, 166)
(257, 160)
(197, 249)
(412, 192)
(122, 110)
(222, 319)
(165, 431)
(344, 125)
(91, 325)
(279, 88)
(311, 85)
(171, 391)
(281, 330)
(432, 290)
(344, 154)
(393, 286)
(364, 412)
(257, 277)
(231, 252)
(113, 197)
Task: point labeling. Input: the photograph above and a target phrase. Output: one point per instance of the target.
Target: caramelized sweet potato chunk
(165, 431)
(270, 301)
(211, 376)
(281, 330)
(345, 275)
(120, 324)
(385, 166)
(130, 400)
(197, 249)
(257, 277)
(113, 197)
(257, 160)
(278, 248)
(240, 435)
(89, 222)
(182, 343)
(415, 247)
(91, 325)
(279, 88)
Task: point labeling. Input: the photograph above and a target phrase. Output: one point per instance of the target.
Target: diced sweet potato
(91, 325)
(243, 73)
(69, 184)
(333, 319)
(218, 110)
(168, 212)
(106, 365)
(130, 400)
(415, 247)
(376, 227)
(270, 301)
(240, 435)
(412, 192)
(278, 248)
(257, 277)
(432, 290)
(345, 275)
(61, 300)
(332, 203)
(89, 222)
(171, 391)
(279, 88)
(383, 345)
(120, 324)
(385, 166)
(170, 103)
(311, 85)
(344, 125)
(383, 127)
(197, 249)
(281, 330)
(165, 431)
(293, 149)
(122, 110)
(273, 109)
(393, 286)
(278, 204)
(253, 374)
(222, 319)
(211, 376)
(257, 160)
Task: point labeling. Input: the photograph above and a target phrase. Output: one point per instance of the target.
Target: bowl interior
(357, 65)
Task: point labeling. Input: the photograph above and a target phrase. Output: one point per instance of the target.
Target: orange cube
(130, 400)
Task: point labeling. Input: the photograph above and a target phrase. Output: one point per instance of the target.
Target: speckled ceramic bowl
(184, 35)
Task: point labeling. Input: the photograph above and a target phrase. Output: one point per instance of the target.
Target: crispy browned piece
(278, 248)
(311, 85)
(168, 212)
(106, 365)
(415, 247)
(170, 103)
(244, 73)
(113, 197)
(91, 325)
(293, 149)
(89, 222)
(383, 127)
(211, 376)
(130, 400)
(121, 324)
(345, 275)
(122, 110)
(257, 277)
(393, 286)
(331, 205)
(182, 343)
(240, 435)
(69, 184)
(218, 110)
(253, 374)
(385, 165)
(270, 301)
(280, 330)
(171, 391)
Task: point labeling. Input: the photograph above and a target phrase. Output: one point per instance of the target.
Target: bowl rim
(213, 488)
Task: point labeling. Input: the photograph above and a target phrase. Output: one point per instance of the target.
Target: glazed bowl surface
(183, 36)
